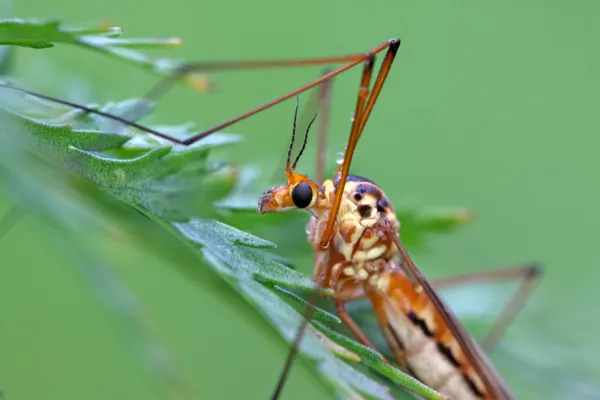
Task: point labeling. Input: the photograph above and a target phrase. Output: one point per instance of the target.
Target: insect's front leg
(348, 290)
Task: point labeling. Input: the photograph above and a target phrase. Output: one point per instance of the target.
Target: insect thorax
(359, 235)
(360, 248)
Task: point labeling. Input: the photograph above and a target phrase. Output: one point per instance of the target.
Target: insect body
(363, 261)
(358, 253)
(354, 231)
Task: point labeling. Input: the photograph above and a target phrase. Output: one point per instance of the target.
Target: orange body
(363, 260)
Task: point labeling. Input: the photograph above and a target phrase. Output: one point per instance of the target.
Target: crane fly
(358, 251)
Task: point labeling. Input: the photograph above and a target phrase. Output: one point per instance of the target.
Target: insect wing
(494, 384)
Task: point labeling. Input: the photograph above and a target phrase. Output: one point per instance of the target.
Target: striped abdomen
(420, 340)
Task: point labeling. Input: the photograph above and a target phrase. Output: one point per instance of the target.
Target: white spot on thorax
(368, 255)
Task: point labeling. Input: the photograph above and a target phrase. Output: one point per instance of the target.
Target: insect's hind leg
(90, 110)
(323, 132)
(340, 307)
(347, 62)
(528, 274)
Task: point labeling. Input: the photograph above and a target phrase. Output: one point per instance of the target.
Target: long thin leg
(362, 95)
(360, 119)
(369, 59)
(351, 60)
(363, 92)
(318, 276)
(357, 60)
(324, 112)
(285, 371)
(91, 111)
(220, 66)
(528, 275)
(340, 306)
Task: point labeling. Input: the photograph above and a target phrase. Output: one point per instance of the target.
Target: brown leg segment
(528, 275)
(368, 58)
(364, 106)
(340, 306)
(324, 111)
(351, 61)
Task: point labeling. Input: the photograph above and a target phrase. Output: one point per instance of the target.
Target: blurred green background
(489, 106)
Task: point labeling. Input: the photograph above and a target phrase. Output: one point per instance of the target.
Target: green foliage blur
(488, 107)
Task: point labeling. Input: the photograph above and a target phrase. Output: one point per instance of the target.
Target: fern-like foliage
(182, 190)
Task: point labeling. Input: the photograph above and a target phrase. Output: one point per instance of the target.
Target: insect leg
(340, 306)
(364, 106)
(350, 61)
(324, 112)
(528, 274)
(356, 59)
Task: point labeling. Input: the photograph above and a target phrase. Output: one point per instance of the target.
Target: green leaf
(236, 249)
(344, 378)
(7, 55)
(161, 181)
(300, 305)
(417, 224)
(43, 34)
(53, 139)
(352, 345)
(374, 360)
(37, 34)
(158, 179)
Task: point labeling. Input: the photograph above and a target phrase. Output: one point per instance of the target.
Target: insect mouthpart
(266, 202)
(274, 200)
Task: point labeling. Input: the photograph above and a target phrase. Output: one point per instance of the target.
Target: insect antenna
(289, 154)
(304, 143)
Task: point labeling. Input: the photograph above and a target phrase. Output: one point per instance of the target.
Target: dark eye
(358, 196)
(302, 195)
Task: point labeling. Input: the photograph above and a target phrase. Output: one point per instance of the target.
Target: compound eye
(302, 194)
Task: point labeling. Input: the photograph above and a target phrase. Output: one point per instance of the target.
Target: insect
(359, 253)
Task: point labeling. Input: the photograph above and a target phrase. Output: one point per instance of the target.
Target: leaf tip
(200, 82)
(114, 29)
(335, 348)
(465, 215)
(230, 175)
